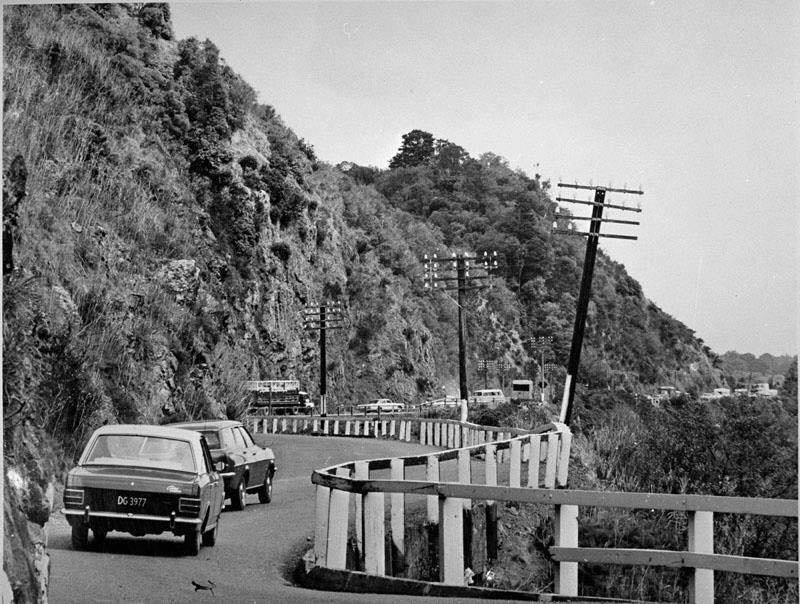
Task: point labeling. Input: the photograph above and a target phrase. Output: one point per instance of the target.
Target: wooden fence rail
(545, 453)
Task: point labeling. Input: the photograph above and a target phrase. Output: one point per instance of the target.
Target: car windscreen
(145, 451)
(212, 439)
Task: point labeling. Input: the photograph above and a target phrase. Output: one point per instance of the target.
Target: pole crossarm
(589, 234)
(567, 185)
(569, 217)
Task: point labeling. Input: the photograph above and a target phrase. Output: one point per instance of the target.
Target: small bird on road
(209, 587)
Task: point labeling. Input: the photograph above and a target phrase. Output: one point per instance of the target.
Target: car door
(256, 457)
(215, 483)
(240, 454)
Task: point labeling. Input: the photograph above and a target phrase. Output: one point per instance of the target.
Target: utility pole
(322, 318)
(549, 369)
(454, 273)
(593, 235)
(485, 365)
(541, 343)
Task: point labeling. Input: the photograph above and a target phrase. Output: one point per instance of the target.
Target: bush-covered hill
(168, 232)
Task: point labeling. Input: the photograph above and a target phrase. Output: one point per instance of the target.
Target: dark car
(143, 480)
(249, 468)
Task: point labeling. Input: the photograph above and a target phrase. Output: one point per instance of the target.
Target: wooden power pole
(593, 235)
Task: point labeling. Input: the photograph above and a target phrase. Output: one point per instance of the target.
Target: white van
(490, 397)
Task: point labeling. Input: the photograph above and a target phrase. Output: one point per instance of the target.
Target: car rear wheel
(191, 542)
(80, 536)
(99, 536)
(239, 498)
(265, 492)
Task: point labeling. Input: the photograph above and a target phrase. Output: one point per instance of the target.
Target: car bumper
(168, 522)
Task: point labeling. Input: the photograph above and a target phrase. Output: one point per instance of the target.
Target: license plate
(131, 501)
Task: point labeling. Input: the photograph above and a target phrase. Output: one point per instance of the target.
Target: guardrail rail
(535, 471)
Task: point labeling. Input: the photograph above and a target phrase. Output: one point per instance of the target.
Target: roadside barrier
(535, 469)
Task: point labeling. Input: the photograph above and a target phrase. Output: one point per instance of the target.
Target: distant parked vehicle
(248, 467)
(278, 397)
(490, 397)
(143, 480)
(522, 390)
(381, 405)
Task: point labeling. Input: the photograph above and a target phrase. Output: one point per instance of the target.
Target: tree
(417, 148)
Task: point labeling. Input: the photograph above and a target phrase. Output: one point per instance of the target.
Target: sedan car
(381, 405)
(248, 467)
(142, 480)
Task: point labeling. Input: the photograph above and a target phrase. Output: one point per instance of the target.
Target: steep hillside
(169, 231)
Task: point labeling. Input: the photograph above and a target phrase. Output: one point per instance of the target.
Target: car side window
(226, 436)
(238, 440)
(248, 440)
(209, 465)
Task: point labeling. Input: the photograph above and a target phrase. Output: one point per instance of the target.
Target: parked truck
(278, 397)
(522, 391)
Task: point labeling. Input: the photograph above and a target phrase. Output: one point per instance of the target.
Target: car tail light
(189, 506)
(73, 497)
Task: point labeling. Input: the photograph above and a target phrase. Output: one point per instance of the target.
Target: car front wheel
(191, 542)
(265, 492)
(239, 498)
(80, 536)
(210, 537)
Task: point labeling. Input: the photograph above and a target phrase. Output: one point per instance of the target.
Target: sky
(694, 102)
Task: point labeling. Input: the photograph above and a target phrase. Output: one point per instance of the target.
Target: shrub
(281, 250)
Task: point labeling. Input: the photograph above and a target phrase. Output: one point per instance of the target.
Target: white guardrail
(544, 451)
(539, 459)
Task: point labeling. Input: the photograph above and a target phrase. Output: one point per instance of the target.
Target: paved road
(253, 558)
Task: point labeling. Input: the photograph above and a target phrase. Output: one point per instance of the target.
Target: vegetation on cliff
(173, 229)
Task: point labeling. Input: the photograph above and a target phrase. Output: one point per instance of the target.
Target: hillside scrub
(173, 229)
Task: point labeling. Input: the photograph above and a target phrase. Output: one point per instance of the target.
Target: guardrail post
(566, 535)
(515, 465)
(398, 520)
(701, 541)
(374, 546)
(464, 477)
(533, 460)
(422, 432)
(550, 462)
(356, 427)
(360, 472)
(491, 506)
(274, 425)
(451, 541)
(429, 435)
(563, 458)
(403, 428)
(347, 427)
(321, 525)
(437, 434)
(337, 525)
(432, 475)
(392, 427)
(336, 427)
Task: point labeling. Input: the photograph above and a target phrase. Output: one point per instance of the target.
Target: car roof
(146, 430)
(211, 424)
